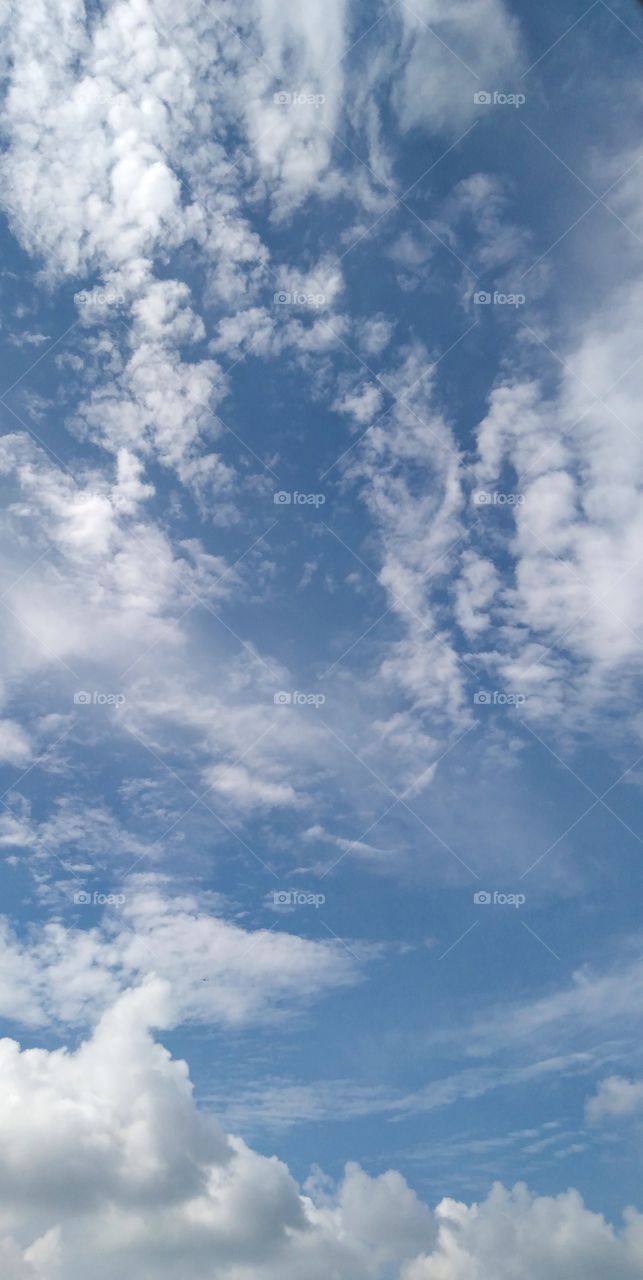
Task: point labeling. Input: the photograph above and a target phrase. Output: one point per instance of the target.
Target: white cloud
(578, 1012)
(302, 51)
(615, 1096)
(411, 469)
(94, 180)
(476, 588)
(374, 334)
(359, 848)
(104, 129)
(219, 971)
(579, 467)
(139, 1181)
(362, 404)
(236, 782)
(87, 574)
(537, 1237)
(15, 747)
(451, 49)
(481, 201)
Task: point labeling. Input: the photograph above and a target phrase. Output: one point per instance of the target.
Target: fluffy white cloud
(219, 971)
(615, 1096)
(536, 1237)
(579, 468)
(137, 1180)
(104, 130)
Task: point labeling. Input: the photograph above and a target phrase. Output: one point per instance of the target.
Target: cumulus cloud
(535, 1236)
(139, 1180)
(615, 1097)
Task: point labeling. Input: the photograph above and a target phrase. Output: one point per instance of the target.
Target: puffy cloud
(104, 129)
(578, 526)
(97, 118)
(537, 1237)
(138, 1180)
(615, 1096)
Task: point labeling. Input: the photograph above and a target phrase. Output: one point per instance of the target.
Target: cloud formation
(139, 1180)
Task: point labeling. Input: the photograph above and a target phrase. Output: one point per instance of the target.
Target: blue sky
(321, 739)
